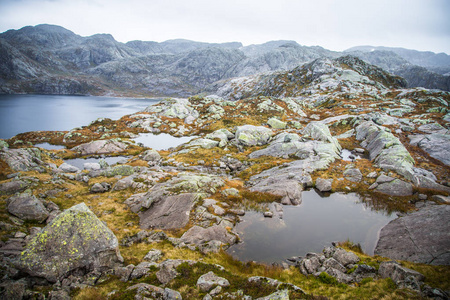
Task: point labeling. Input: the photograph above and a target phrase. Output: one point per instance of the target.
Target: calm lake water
(23, 113)
(309, 227)
(110, 160)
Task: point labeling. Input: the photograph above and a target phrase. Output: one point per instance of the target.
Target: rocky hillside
(49, 59)
(156, 225)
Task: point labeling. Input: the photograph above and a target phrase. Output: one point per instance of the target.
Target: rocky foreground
(155, 225)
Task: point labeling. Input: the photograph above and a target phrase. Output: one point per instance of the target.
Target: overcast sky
(332, 24)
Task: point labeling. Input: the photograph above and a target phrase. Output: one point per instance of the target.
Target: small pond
(48, 146)
(309, 227)
(161, 141)
(79, 162)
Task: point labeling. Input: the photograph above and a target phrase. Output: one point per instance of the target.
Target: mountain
(424, 69)
(49, 59)
(425, 59)
(336, 77)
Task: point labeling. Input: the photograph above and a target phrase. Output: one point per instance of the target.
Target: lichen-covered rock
(385, 149)
(249, 135)
(173, 108)
(278, 295)
(122, 170)
(276, 124)
(23, 159)
(320, 131)
(207, 281)
(27, 207)
(222, 134)
(153, 255)
(203, 143)
(76, 240)
(101, 147)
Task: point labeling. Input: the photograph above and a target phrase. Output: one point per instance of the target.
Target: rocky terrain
(155, 225)
(48, 59)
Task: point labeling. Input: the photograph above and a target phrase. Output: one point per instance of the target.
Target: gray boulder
(27, 207)
(67, 168)
(167, 270)
(100, 187)
(168, 204)
(172, 212)
(340, 276)
(437, 145)
(209, 280)
(320, 131)
(197, 235)
(249, 135)
(353, 174)
(153, 255)
(395, 187)
(12, 187)
(148, 291)
(76, 240)
(151, 155)
(345, 258)
(222, 134)
(398, 273)
(422, 236)
(100, 147)
(324, 185)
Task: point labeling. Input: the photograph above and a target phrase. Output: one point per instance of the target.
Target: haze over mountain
(49, 59)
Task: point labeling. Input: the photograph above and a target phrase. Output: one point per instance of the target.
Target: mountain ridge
(40, 56)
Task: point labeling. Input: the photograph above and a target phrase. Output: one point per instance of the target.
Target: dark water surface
(23, 113)
(309, 227)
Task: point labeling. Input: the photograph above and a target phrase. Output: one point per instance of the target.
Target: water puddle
(110, 160)
(309, 227)
(48, 146)
(162, 141)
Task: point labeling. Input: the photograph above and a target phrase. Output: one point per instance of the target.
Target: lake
(23, 113)
(309, 227)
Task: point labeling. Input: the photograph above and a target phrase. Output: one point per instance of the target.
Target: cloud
(335, 24)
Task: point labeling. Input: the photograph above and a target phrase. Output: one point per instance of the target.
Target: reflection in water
(161, 141)
(309, 227)
(79, 162)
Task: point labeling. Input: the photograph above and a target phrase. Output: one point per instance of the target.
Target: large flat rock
(422, 236)
(170, 213)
